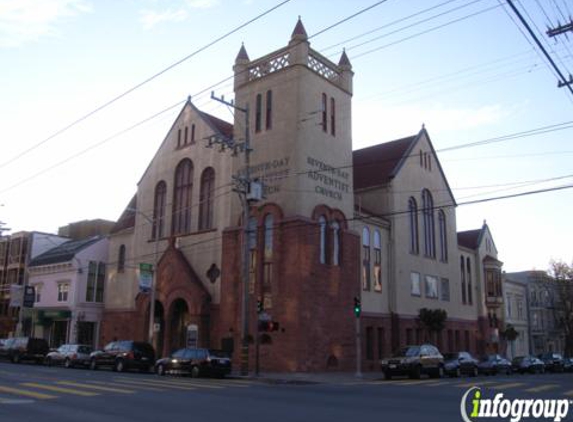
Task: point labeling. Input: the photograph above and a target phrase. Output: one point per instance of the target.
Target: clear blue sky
(463, 68)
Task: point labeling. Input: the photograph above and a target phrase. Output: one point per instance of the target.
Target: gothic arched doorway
(179, 320)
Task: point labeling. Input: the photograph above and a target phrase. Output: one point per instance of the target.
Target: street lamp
(154, 276)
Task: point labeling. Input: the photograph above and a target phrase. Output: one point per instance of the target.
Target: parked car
(17, 349)
(460, 363)
(414, 361)
(568, 364)
(553, 361)
(494, 364)
(124, 355)
(530, 364)
(70, 355)
(195, 362)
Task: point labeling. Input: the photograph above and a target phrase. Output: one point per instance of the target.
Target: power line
(140, 84)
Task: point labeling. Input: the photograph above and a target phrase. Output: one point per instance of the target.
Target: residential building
(16, 251)
(516, 315)
(545, 332)
(69, 285)
(377, 224)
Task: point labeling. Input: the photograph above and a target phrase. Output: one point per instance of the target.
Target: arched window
(121, 259)
(413, 218)
(269, 114)
(332, 117)
(268, 248)
(183, 187)
(469, 280)
(324, 106)
(463, 279)
(193, 133)
(206, 199)
(443, 236)
(335, 226)
(377, 261)
(366, 258)
(159, 211)
(429, 229)
(323, 227)
(258, 112)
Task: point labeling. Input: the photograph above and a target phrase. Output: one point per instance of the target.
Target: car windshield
(408, 351)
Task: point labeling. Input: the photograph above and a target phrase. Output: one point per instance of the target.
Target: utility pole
(561, 29)
(243, 188)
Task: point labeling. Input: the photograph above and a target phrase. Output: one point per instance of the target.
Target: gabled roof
(469, 239)
(127, 218)
(64, 252)
(378, 164)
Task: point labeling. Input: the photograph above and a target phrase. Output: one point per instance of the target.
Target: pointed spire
(299, 33)
(344, 61)
(242, 56)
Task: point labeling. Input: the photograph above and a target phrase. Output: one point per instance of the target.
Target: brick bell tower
(304, 264)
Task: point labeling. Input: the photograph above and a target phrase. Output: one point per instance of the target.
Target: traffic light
(260, 307)
(266, 326)
(357, 306)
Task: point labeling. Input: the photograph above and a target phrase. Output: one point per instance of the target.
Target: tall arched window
(159, 210)
(335, 226)
(206, 199)
(269, 114)
(268, 248)
(121, 259)
(324, 106)
(332, 117)
(429, 229)
(469, 280)
(183, 187)
(443, 236)
(323, 227)
(377, 261)
(258, 112)
(366, 258)
(413, 219)
(463, 279)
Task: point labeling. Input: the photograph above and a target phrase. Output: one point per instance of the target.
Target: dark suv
(17, 349)
(124, 355)
(415, 361)
(195, 362)
(553, 361)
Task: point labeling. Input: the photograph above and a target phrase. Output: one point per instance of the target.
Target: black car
(70, 355)
(553, 361)
(18, 349)
(460, 363)
(494, 364)
(568, 364)
(195, 362)
(414, 361)
(124, 355)
(527, 364)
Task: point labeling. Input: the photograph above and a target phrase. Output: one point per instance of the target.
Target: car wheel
(458, 373)
(388, 375)
(195, 372)
(160, 370)
(416, 373)
(49, 362)
(93, 364)
(67, 363)
(475, 371)
(119, 366)
(16, 358)
(508, 371)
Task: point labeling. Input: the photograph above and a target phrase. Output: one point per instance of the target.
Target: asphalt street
(53, 394)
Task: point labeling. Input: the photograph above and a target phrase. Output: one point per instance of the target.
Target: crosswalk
(499, 385)
(28, 392)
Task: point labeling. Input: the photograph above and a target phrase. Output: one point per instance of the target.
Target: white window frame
(415, 284)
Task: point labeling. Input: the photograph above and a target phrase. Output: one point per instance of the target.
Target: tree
(562, 273)
(434, 320)
(510, 333)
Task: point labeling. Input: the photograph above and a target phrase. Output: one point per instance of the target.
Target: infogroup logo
(513, 409)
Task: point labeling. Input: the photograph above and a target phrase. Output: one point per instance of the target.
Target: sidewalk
(301, 378)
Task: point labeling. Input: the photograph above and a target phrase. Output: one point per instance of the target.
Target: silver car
(70, 355)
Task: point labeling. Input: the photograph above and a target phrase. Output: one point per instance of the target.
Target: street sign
(145, 277)
(29, 296)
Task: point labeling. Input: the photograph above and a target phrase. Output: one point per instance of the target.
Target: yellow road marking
(506, 386)
(542, 388)
(116, 383)
(167, 381)
(96, 387)
(59, 389)
(163, 385)
(26, 393)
